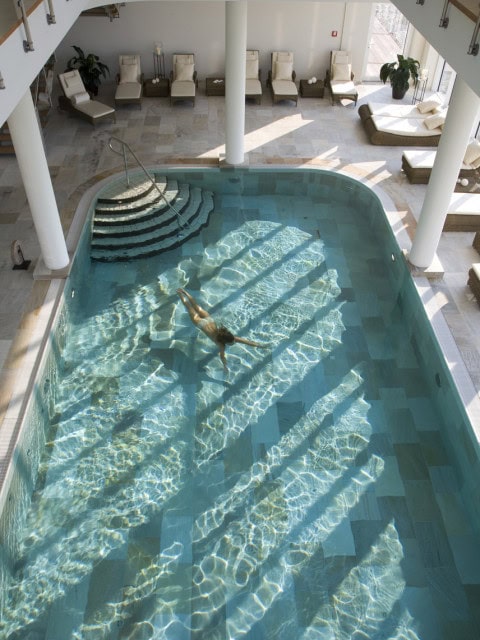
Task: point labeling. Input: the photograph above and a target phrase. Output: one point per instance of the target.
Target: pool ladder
(182, 223)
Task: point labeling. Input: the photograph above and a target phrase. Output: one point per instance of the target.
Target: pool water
(306, 494)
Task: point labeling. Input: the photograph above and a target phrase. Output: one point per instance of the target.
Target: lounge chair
(130, 81)
(418, 164)
(281, 77)
(339, 78)
(183, 78)
(474, 280)
(77, 100)
(402, 124)
(253, 85)
(463, 212)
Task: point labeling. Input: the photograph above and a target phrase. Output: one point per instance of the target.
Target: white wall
(199, 27)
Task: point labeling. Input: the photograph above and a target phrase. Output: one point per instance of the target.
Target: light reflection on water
(219, 516)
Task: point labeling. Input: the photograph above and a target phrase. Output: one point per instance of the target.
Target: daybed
(339, 77)
(253, 85)
(474, 280)
(463, 212)
(281, 77)
(418, 164)
(403, 125)
(77, 100)
(130, 81)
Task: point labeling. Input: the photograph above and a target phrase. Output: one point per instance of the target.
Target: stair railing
(123, 152)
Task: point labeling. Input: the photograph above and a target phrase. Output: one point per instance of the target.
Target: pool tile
(340, 541)
(412, 566)
(447, 593)
(453, 512)
(411, 462)
(394, 509)
(444, 479)
(434, 545)
(421, 501)
(390, 482)
(467, 558)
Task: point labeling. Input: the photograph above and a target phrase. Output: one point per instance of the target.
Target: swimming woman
(220, 335)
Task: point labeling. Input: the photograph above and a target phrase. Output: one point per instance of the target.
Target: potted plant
(90, 69)
(399, 74)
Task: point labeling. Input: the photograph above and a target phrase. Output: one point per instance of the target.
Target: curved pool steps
(138, 222)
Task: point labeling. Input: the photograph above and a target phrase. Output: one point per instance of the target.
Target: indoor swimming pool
(315, 491)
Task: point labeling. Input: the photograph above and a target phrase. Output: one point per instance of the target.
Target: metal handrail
(125, 147)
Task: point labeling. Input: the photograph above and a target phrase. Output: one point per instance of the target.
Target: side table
(215, 86)
(160, 89)
(315, 90)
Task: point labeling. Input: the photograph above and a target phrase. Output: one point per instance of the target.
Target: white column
(28, 144)
(461, 118)
(235, 48)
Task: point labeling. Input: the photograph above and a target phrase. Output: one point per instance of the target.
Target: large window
(388, 36)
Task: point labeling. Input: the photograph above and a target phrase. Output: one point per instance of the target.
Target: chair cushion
(253, 87)
(78, 98)
(428, 105)
(182, 89)
(128, 91)
(342, 72)
(95, 109)
(72, 83)
(128, 73)
(184, 72)
(472, 153)
(434, 121)
(251, 69)
(283, 70)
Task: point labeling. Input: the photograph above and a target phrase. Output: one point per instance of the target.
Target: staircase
(137, 221)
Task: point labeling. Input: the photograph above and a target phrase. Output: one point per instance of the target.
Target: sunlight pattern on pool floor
(290, 498)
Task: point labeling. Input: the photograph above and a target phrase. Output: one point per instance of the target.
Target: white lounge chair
(339, 78)
(130, 81)
(253, 85)
(77, 100)
(281, 77)
(183, 78)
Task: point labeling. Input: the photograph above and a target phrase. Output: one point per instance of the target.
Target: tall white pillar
(28, 144)
(235, 46)
(461, 117)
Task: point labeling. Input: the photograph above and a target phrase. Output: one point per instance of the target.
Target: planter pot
(398, 92)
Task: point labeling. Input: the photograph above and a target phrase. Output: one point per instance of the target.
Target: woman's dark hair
(224, 335)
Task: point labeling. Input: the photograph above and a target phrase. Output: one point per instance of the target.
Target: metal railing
(182, 223)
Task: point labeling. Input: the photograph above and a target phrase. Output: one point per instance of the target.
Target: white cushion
(253, 87)
(283, 56)
(128, 73)
(472, 153)
(251, 70)
(434, 121)
(283, 70)
(184, 72)
(342, 72)
(428, 105)
(78, 98)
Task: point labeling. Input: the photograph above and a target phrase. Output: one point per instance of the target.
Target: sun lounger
(463, 213)
(401, 125)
